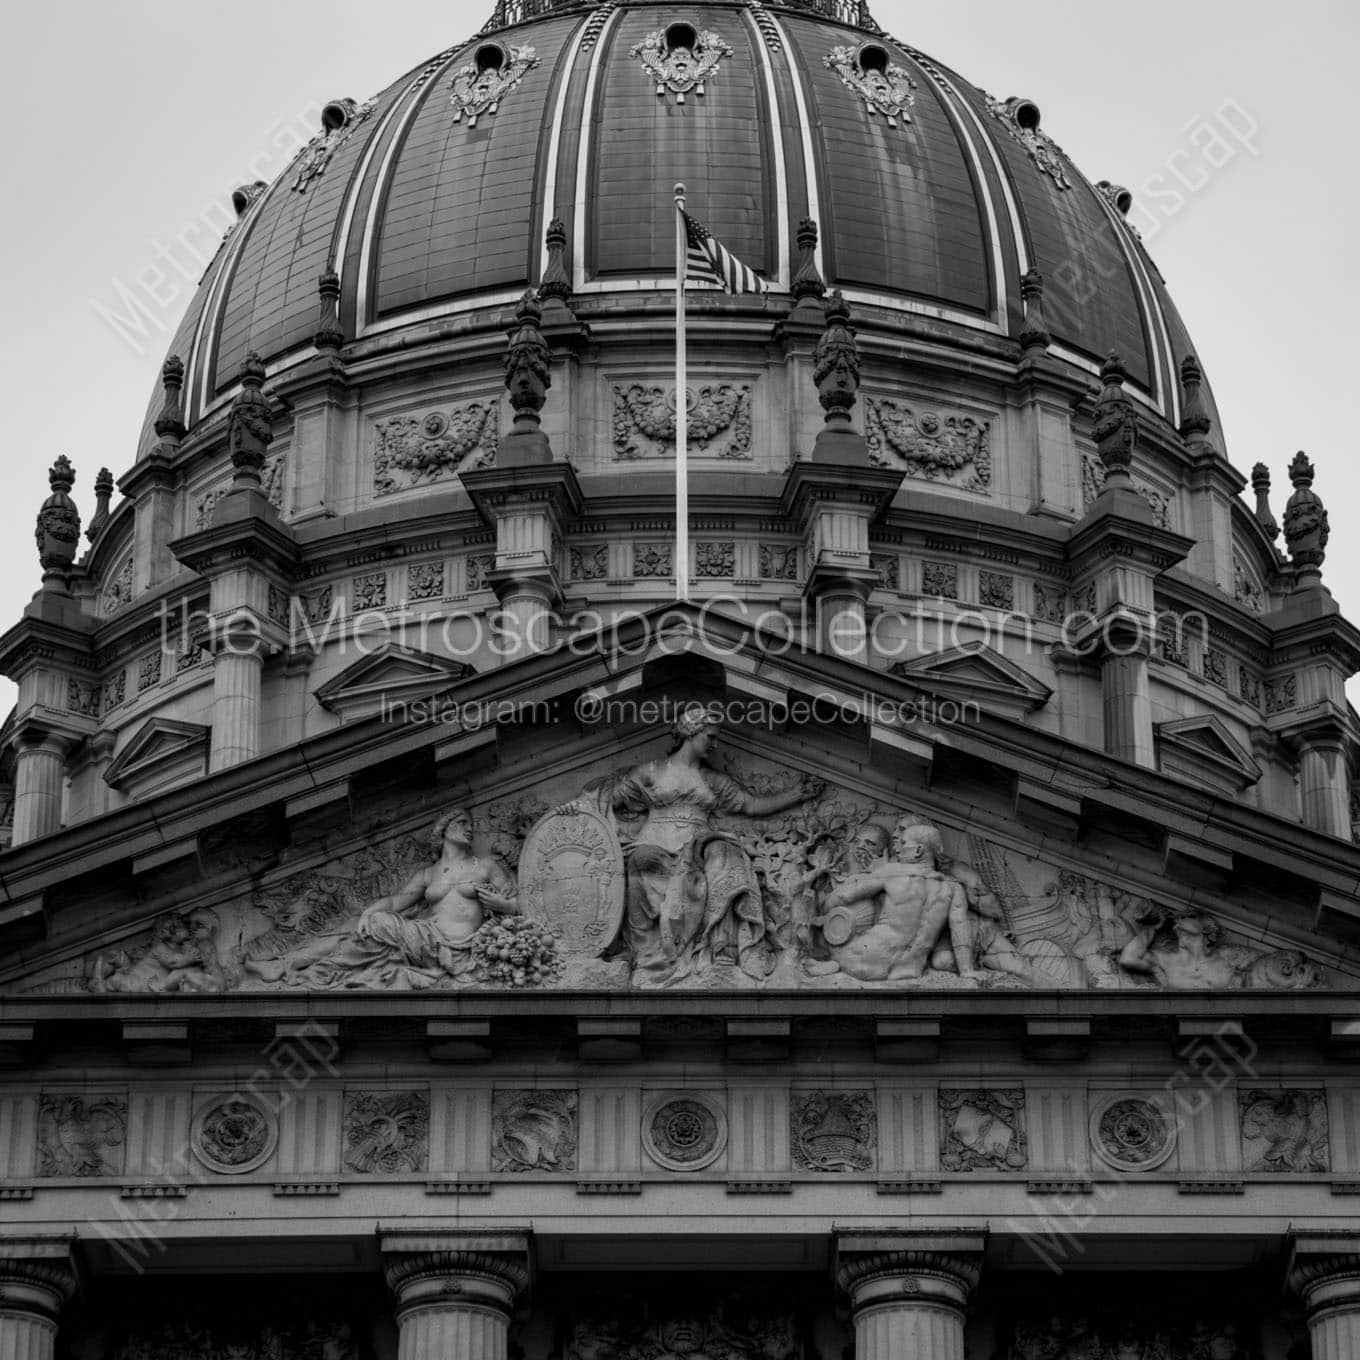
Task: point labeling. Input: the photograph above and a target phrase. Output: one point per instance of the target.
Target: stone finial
(1305, 523)
(556, 283)
(58, 532)
(1195, 420)
(170, 422)
(250, 427)
(103, 494)
(1260, 484)
(329, 335)
(1116, 426)
(807, 282)
(836, 366)
(1034, 334)
(526, 361)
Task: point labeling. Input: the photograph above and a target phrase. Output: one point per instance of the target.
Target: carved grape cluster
(516, 952)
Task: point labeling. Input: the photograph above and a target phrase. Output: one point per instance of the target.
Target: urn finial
(1195, 419)
(250, 427)
(170, 422)
(1260, 484)
(58, 531)
(1116, 426)
(1306, 530)
(1034, 334)
(807, 281)
(329, 333)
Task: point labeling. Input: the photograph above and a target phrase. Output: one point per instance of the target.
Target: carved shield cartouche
(571, 879)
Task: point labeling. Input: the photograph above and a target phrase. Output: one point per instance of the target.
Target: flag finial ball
(679, 191)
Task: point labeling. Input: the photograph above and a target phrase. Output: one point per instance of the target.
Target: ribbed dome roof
(431, 199)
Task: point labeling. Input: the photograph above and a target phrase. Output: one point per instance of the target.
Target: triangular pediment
(160, 752)
(1203, 750)
(390, 674)
(267, 880)
(976, 671)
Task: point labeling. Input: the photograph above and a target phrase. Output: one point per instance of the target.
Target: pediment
(975, 671)
(783, 824)
(1203, 750)
(390, 674)
(161, 751)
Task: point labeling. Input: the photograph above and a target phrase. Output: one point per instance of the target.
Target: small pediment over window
(1202, 750)
(389, 675)
(974, 671)
(160, 755)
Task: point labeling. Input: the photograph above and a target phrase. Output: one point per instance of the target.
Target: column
(35, 1281)
(454, 1298)
(1127, 702)
(909, 1298)
(236, 705)
(1323, 784)
(39, 778)
(1330, 1289)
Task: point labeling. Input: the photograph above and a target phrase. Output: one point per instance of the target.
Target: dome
(430, 201)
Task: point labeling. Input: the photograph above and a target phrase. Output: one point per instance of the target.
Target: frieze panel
(715, 559)
(983, 1130)
(589, 562)
(1246, 589)
(412, 451)
(953, 449)
(718, 424)
(271, 484)
(1284, 1131)
(533, 1131)
(234, 1135)
(940, 580)
(1132, 1133)
(117, 590)
(834, 1131)
(386, 1133)
(778, 562)
(425, 581)
(81, 1135)
(684, 1130)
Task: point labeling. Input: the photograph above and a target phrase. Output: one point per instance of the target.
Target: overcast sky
(130, 122)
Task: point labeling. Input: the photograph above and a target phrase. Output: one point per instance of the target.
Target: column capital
(941, 1268)
(37, 1275)
(1324, 1271)
(456, 1270)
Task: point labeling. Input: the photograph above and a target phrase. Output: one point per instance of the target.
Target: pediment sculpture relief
(685, 871)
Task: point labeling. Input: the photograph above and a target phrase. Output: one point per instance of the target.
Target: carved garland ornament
(951, 449)
(681, 59)
(886, 88)
(417, 450)
(719, 416)
(1131, 1133)
(481, 85)
(234, 1135)
(340, 119)
(684, 1131)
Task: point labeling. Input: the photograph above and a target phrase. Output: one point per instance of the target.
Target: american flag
(710, 262)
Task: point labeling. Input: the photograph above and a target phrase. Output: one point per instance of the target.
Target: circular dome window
(873, 58)
(489, 57)
(1027, 114)
(681, 35)
(335, 115)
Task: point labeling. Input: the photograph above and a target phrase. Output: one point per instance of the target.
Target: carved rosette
(419, 450)
(834, 1131)
(480, 86)
(387, 1133)
(684, 1130)
(677, 66)
(890, 91)
(983, 1130)
(718, 421)
(234, 1135)
(533, 1131)
(954, 449)
(1131, 1133)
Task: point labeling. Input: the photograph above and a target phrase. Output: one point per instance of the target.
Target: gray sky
(129, 123)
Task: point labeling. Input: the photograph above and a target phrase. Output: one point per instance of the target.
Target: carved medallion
(884, 86)
(571, 879)
(481, 85)
(1131, 1133)
(719, 421)
(234, 1135)
(417, 450)
(81, 1135)
(681, 59)
(983, 1130)
(834, 1131)
(533, 1131)
(684, 1130)
(1284, 1131)
(934, 448)
(386, 1132)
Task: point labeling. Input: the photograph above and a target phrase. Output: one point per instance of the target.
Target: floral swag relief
(951, 449)
(719, 421)
(677, 873)
(416, 450)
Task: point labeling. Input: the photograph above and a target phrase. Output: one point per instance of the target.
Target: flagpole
(681, 563)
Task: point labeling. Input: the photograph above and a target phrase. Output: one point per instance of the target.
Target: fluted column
(1330, 1289)
(1323, 785)
(33, 1289)
(1127, 700)
(909, 1299)
(455, 1304)
(39, 776)
(236, 706)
